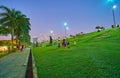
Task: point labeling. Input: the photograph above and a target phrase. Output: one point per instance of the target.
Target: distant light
(65, 24)
(0, 25)
(114, 6)
(67, 28)
(3, 48)
(51, 31)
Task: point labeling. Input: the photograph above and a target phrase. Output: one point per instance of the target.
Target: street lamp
(67, 28)
(65, 24)
(113, 12)
(51, 31)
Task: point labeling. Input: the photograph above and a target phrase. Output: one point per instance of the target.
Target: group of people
(65, 43)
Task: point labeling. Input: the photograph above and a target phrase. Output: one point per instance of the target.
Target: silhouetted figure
(51, 40)
(64, 43)
(22, 47)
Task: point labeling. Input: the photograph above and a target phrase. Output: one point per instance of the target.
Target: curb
(26, 61)
(34, 68)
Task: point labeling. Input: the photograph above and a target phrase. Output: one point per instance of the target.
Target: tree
(4, 31)
(22, 30)
(15, 23)
(118, 25)
(8, 19)
(24, 39)
(99, 28)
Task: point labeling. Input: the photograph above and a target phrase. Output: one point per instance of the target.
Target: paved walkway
(14, 65)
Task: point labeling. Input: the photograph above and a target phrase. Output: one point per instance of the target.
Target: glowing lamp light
(114, 6)
(67, 28)
(65, 24)
(51, 31)
(3, 48)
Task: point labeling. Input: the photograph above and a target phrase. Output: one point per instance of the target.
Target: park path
(14, 65)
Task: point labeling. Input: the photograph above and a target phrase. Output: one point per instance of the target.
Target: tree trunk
(12, 37)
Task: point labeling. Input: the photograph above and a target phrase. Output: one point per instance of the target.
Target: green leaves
(14, 23)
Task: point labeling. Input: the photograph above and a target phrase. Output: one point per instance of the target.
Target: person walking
(22, 47)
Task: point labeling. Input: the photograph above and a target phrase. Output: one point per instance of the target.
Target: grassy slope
(96, 55)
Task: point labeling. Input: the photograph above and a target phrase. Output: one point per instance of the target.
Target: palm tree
(14, 22)
(24, 39)
(4, 30)
(22, 29)
(8, 19)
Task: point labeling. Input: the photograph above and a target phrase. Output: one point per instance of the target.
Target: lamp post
(51, 31)
(67, 28)
(65, 25)
(113, 12)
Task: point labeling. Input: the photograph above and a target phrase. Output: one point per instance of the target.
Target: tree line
(16, 24)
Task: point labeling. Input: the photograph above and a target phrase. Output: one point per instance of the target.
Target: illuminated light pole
(113, 12)
(51, 31)
(67, 28)
(65, 24)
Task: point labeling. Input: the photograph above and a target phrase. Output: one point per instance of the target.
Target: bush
(118, 26)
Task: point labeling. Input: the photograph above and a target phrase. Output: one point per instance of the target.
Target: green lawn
(96, 55)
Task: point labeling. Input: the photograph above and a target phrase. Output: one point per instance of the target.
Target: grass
(96, 55)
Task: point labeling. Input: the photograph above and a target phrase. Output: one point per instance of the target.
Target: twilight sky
(81, 15)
